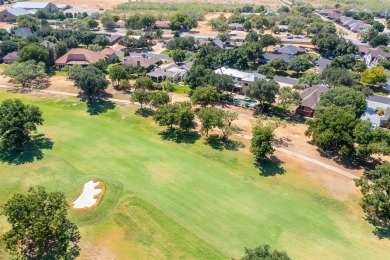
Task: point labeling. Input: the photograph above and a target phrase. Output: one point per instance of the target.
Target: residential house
(268, 57)
(334, 16)
(354, 10)
(358, 27)
(151, 56)
(241, 79)
(110, 53)
(322, 63)
(373, 103)
(35, 6)
(283, 28)
(373, 56)
(310, 98)
(290, 50)
(76, 10)
(83, 57)
(164, 25)
(114, 39)
(236, 27)
(217, 42)
(48, 44)
(385, 14)
(325, 12)
(120, 24)
(10, 57)
(11, 14)
(175, 72)
(23, 32)
(140, 62)
(363, 50)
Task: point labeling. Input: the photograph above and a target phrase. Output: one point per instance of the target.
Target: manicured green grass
(170, 200)
(179, 89)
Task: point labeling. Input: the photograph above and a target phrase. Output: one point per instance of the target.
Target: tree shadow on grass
(99, 106)
(270, 167)
(180, 136)
(381, 231)
(30, 152)
(144, 112)
(218, 143)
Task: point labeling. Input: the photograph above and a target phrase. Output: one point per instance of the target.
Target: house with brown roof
(143, 62)
(10, 57)
(162, 25)
(84, 57)
(310, 98)
(114, 39)
(373, 56)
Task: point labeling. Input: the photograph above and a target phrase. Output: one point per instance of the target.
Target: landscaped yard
(168, 200)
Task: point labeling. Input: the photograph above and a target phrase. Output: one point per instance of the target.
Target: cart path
(283, 150)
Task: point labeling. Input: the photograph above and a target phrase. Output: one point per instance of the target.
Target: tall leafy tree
(141, 96)
(288, 97)
(299, 64)
(263, 90)
(28, 74)
(344, 97)
(335, 77)
(181, 20)
(379, 40)
(17, 121)
(144, 83)
(205, 96)
(310, 78)
(374, 76)
(90, 80)
(264, 252)
(159, 98)
(209, 117)
(35, 52)
(375, 187)
(261, 142)
(40, 228)
(117, 73)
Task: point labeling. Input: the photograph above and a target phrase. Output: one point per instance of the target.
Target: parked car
(289, 36)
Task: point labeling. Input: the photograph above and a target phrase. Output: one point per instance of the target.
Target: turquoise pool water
(250, 102)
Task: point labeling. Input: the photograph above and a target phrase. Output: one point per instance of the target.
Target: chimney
(138, 63)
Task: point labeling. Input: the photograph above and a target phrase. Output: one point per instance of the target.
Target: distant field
(168, 200)
(375, 5)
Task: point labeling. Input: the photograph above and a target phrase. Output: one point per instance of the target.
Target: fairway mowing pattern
(167, 201)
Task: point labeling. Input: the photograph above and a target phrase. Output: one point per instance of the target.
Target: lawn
(168, 200)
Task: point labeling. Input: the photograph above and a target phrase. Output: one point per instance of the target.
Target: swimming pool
(249, 102)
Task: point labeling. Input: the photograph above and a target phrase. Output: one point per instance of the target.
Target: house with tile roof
(47, 6)
(143, 62)
(84, 57)
(10, 57)
(11, 14)
(241, 79)
(373, 56)
(310, 98)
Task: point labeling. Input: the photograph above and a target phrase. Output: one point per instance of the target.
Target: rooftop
(311, 96)
(31, 5)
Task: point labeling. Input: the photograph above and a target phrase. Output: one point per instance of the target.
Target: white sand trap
(87, 197)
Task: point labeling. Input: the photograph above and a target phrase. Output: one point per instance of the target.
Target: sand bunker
(87, 197)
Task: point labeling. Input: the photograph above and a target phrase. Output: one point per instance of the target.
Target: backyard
(171, 199)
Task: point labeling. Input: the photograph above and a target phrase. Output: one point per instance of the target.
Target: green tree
(181, 20)
(108, 23)
(167, 115)
(141, 96)
(158, 33)
(209, 117)
(60, 49)
(117, 73)
(346, 98)
(335, 77)
(374, 76)
(35, 52)
(17, 121)
(101, 40)
(226, 125)
(345, 62)
(266, 70)
(264, 253)
(185, 116)
(378, 26)
(40, 228)
(332, 130)
(261, 142)
(159, 98)
(28, 74)
(92, 24)
(247, 25)
(310, 78)
(90, 80)
(263, 90)
(289, 96)
(144, 83)
(299, 64)
(278, 64)
(205, 96)
(360, 66)
(178, 56)
(224, 37)
(252, 36)
(379, 40)
(101, 65)
(375, 187)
